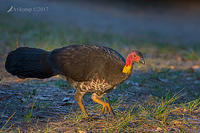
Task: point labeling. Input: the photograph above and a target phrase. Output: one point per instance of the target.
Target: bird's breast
(96, 86)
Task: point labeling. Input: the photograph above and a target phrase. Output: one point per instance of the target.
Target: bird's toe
(107, 108)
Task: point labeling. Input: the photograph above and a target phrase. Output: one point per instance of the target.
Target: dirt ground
(38, 105)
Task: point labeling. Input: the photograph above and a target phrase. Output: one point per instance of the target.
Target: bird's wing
(82, 63)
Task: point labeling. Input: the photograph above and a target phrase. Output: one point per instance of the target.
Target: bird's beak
(142, 61)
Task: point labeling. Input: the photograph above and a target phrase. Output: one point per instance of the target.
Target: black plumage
(89, 68)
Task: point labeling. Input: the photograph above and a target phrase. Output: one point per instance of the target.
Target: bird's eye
(134, 55)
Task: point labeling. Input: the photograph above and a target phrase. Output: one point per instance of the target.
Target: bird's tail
(27, 62)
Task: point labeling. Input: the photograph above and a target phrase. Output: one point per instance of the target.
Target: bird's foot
(107, 108)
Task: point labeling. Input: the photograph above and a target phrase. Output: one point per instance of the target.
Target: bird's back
(83, 63)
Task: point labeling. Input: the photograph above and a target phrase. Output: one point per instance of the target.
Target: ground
(161, 96)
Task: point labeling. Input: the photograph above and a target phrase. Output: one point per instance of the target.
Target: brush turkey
(88, 68)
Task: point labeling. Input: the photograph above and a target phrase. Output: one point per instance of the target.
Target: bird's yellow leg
(106, 106)
(79, 99)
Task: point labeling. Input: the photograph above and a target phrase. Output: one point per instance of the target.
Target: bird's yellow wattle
(127, 69)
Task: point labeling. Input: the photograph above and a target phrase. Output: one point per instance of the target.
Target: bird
(87, 68)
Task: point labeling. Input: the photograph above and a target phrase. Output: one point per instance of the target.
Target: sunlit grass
(153, 114)
(192, 105)
(142, 117)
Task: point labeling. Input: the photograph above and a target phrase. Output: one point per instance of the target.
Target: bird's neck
(128, 67)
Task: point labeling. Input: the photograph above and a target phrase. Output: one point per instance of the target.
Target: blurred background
(166, 21)
(167, 32)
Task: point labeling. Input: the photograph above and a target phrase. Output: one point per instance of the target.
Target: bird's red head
(134, 56)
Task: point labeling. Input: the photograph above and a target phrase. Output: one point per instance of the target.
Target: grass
(141, 117)
(162, 96)
(49, 36)
(192, 105)
(29, 115)
(3, 128)
(162, 111)
(192, 55)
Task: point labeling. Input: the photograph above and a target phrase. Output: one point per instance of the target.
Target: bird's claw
(107, 108)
